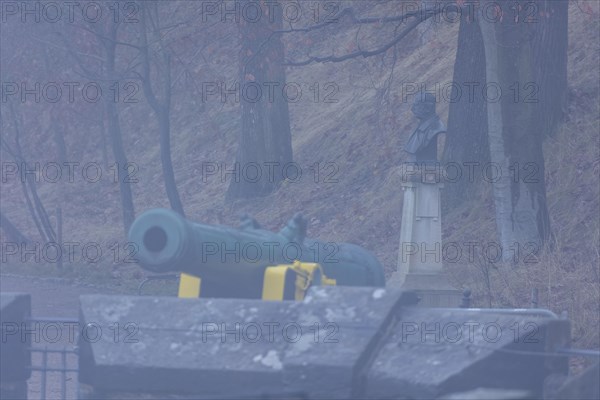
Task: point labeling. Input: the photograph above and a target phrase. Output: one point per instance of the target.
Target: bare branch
(349, 12)
(116, 42)
(361, 53)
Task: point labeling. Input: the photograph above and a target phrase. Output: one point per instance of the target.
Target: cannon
(246, 262)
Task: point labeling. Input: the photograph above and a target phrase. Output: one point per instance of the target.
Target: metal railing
(54, 363)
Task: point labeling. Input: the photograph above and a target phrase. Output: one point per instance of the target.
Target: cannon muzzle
(162, 238)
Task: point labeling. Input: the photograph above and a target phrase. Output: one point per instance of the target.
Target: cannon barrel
(167, 242)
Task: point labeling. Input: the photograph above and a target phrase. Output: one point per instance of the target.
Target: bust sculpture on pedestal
(422, 144)
(419, 265)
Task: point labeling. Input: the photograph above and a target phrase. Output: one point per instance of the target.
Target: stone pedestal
(434, 290)
(419, 266)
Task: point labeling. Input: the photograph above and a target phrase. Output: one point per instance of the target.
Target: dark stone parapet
(340, 342)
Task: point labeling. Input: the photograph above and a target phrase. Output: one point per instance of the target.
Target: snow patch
(378, 293)
(270, 360)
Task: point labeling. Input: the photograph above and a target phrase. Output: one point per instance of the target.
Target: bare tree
(515, 137)
(159, 98)
(265, 143)
(114, 127)
(103, 69)
(28, 181)
(466, 139)
(549, 45)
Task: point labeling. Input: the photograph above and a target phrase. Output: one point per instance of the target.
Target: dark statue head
(424, 105)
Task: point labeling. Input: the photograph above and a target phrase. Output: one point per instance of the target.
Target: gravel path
(50, 297)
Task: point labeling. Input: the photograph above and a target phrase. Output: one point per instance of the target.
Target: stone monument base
(433, 290)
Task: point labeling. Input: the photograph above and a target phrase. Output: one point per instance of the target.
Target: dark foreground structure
(339, 342)
(330, 330)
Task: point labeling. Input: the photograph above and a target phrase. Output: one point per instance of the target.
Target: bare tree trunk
(515, 140)
(466, 148)
(103, 135)
(59, 140)
(265, 143)
(62, 197)
(167, 164)
(550, 59)
(162, 104)
(502, 195)
(114, 128)
(36, 208)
